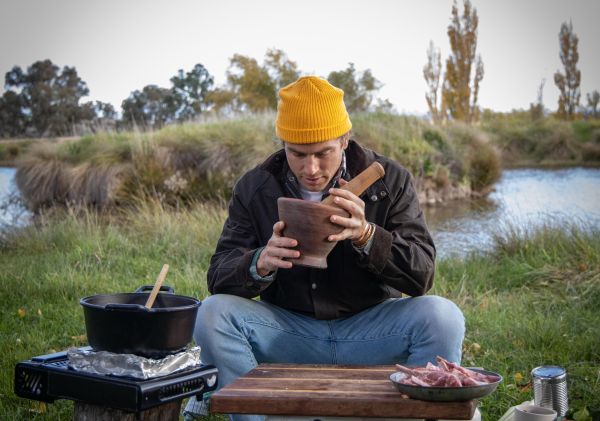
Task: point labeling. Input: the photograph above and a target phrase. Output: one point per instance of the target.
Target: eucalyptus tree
(359, 87)
(49, 98)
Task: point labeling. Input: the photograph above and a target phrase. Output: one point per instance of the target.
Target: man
(351, 312)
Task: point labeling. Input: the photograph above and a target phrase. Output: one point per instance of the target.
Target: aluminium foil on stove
(130, 365)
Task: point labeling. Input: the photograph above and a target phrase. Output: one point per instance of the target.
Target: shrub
(484, 166)
(586, 130)
(545, 140)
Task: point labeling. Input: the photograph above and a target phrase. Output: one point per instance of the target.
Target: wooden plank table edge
(323, 406)
(280, 389)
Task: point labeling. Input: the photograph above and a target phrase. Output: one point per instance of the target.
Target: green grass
(532, 301)
(47, 268)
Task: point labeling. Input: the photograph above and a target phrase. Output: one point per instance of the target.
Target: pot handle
(164, 288)
(126, 307)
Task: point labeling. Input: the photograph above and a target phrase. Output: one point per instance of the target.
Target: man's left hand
(355, 225)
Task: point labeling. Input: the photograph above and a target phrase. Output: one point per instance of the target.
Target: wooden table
(328, 390)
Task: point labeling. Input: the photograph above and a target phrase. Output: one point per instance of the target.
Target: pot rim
(195, 302)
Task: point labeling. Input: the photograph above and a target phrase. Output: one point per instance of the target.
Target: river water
(523, 199)
(11, 212)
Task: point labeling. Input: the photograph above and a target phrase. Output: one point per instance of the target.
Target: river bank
(529, 301)
(550, 164)
(201, 161)
(522, 199)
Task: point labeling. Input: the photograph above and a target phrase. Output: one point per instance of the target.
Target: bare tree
(568, 83)
(432, 72)
(537, 110)
(476, 81)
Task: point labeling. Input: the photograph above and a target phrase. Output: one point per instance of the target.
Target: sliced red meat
(445, 374)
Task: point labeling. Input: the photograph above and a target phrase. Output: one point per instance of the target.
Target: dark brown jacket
(401, 258)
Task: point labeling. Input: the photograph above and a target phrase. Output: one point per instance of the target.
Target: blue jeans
(235, 334)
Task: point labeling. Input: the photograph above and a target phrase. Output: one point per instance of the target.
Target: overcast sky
(120, 46)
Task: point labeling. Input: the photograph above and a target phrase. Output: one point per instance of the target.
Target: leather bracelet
(364, 239)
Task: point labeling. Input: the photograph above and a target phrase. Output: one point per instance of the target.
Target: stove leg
(87, 412)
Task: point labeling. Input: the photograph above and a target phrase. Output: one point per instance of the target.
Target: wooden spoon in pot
(361, 182)
(157, 285)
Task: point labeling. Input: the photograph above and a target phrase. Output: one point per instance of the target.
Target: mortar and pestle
(309, 222)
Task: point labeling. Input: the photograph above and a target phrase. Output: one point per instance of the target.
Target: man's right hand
(277, 249)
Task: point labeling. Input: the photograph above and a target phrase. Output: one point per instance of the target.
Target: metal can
(550, 388)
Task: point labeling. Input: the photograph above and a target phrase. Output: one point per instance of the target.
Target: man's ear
(345, 140)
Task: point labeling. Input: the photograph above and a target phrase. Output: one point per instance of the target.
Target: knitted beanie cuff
(313, 135)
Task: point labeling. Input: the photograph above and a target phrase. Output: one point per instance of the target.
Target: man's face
(315, 164)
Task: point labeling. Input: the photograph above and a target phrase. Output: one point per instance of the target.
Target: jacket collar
(357, 158)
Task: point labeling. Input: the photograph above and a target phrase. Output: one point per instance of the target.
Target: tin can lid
(549, 372)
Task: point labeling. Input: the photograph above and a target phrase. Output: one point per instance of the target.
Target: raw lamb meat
(445, 374)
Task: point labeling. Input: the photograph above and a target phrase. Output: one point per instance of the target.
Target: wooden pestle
(361, 182)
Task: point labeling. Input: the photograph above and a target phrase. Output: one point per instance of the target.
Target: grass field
(532, 301)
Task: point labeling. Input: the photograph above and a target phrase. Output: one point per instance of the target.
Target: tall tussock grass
(41, 177)
(10, 150)
(126, 239)
(538, 258)
(45, 179)
(201, 161)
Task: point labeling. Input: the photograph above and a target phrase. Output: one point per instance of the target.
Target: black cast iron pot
(120, 323)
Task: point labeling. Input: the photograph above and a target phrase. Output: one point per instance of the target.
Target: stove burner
(47, 378)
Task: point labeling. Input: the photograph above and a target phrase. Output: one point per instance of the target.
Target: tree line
(45, 100)
(456, 96)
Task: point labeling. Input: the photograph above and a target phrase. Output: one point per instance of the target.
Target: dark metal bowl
(446, 394)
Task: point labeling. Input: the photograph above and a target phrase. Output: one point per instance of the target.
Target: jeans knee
(217, 313)
(442, 315)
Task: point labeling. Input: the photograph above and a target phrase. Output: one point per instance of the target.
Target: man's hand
(277, 249)
(355, 225)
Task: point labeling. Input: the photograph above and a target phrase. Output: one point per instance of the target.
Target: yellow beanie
(311, 110)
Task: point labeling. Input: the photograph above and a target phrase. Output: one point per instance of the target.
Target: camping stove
(47, 378)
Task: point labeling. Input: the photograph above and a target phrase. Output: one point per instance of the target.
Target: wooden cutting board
(328, 390)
